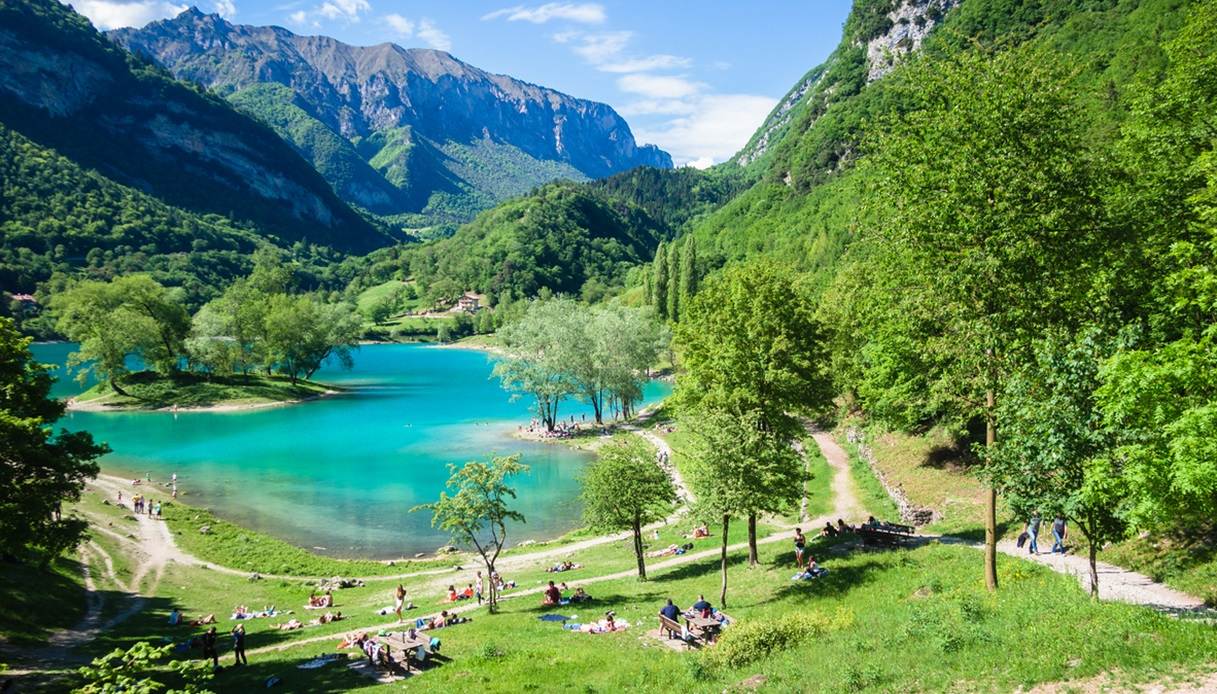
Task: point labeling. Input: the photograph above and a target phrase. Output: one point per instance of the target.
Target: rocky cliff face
(65, 87)
(387, 100)
(910, 22)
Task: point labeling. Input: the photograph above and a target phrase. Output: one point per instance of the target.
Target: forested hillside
(98, 144)
(805, 205)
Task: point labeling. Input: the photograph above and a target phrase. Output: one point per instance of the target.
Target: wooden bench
(676, 631)
(886, 534)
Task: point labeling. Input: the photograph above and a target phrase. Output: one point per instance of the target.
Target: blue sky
(695, 78)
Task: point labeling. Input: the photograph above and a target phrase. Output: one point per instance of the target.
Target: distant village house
(469, 303)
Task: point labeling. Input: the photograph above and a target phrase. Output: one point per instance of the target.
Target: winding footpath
(1115, 583)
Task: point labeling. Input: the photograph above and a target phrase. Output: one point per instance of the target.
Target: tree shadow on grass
(840, 580)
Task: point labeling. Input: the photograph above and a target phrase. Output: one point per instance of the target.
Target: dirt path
(1115, 583)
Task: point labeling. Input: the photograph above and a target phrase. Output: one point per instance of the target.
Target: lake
(340, 474)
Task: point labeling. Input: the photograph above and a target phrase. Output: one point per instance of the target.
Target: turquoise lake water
(340, 474)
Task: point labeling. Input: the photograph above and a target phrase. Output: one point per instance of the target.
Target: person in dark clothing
(238, 644)
(670, 611)
(1059, 533)
(553, 596)
(209, 647)
(702, 607)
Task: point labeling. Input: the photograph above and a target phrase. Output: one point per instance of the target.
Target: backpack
(1022, 539)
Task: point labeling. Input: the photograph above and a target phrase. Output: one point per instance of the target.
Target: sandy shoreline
(74, 405)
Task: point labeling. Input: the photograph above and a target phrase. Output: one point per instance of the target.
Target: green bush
(748, 642)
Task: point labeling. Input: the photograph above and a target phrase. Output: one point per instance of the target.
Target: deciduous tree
(625, 489)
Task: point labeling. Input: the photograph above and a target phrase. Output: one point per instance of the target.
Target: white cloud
(597, 48)
(718, 126)
(226, 8)
(402, 26)
(584, 13)
(661, 61)
(657, 107)
(433, 36)
(110, 14)
(658, 86)
(346, 11)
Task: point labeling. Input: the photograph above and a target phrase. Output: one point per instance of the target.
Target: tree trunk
(990, 499)
(752, 539)
(642, 565)
(1094, 569)
(117, 388)
(722, 596)
(493, 595)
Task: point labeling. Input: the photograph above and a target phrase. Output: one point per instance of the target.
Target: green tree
(688, 271)
(673, 283)
(302, 333)
(986, 218)
(535, 360)
(749, 343)
(735, 461)
(624, 489)
(42, 469)
(142, 669)
(1056, 454)
(660, 280)
(112, 320)
(476, 511)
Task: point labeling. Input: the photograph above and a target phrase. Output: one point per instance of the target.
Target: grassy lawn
(819, 487)
(907, 620)
(39, 601)
(1187, 563)
(150, 390)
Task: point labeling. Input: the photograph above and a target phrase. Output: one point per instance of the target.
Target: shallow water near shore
(340, 474)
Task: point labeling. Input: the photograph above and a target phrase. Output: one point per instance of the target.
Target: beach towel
(319, 661)
(553, 618)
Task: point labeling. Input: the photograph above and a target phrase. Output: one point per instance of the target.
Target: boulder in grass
(447, 549)
(205, 530)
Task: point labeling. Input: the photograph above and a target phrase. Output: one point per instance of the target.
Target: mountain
(804, 201)
(411, 132)
(64, 87)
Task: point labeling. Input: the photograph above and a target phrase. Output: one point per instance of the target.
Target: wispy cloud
(583, 13)
(433, 36)
(226, 8)
(400, 25)
(660, 61)
(109, 14)
(658, 86)
(346, 11)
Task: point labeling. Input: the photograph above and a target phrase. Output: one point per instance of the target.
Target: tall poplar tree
(688, 272)
(673, 297)
(660, 273)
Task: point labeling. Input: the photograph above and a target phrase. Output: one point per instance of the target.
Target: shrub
(751, 641)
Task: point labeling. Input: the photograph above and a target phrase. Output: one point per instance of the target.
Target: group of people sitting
(455, 595)
(701, 609)
(320, 602)
(563, 566)
(561, 595)
(294, 623)
(840, 528)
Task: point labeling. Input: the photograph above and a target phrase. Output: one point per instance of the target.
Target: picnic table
(706, 627)
(408, 647)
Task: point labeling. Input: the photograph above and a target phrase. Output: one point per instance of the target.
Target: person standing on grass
(1033, 531)
(399, 600)
(1059, 533)
(238, 644)
(209, 647)
(800, 542)
(477, 587)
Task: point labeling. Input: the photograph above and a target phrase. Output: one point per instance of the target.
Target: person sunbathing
(209, 619)
(327, 618)
(289, 625)
(320, 602)
(580, 595)
(563, 566)
(701, 531)
(666, 551)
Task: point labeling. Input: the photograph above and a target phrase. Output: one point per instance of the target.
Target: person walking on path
(799, 543)
(477, 587)
(1059, 533)
(238, 644)
(1033, 531)
(399, 600)
(209, 647)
